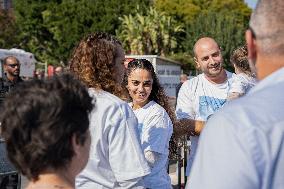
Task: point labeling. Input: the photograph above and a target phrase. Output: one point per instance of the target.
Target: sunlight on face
(209, 58)
(140, 83)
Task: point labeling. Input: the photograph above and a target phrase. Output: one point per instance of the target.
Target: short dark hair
(9, 57)
(39, 119)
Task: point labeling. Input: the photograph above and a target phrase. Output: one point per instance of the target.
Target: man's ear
(251, 44)
(197, 65)
(4, 67)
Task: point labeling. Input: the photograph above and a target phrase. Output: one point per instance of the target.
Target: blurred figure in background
(183, 78)
(58, 70)
(39, 74)
(244, 79)
(11, 76)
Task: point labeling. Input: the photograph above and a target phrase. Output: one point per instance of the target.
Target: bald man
(11, 76)
(242, 146)
(204, 94)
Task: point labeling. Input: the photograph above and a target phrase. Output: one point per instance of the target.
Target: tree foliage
(152, 33)
(188, 10)
(224, 20)
(51, 29)
(8, 31)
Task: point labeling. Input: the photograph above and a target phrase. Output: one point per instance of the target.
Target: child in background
(244, 79)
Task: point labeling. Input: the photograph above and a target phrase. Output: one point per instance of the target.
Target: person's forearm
(188, 127)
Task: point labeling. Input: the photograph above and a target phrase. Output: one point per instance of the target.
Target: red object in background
(50, 70)
(126, 61)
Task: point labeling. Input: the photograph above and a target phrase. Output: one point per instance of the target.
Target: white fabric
(116, 159)
(241, 83)
(242, 146)
(198, 99)
(152, 158)
(155, 128)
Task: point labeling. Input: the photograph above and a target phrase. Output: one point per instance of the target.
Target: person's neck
(266, 65)
(221, 78)
(12, 78)
(49, 180)
(136, 106)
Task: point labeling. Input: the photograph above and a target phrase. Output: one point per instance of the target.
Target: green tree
(152, 33)
(8, 31)
(188, 10)
(51, 29)
(224, 20)
(182, 10)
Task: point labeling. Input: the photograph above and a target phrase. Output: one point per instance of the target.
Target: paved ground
(174, 175)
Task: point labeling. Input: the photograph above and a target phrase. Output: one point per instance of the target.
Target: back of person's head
(39, 119)
(267, 23)
(239, 58)
(93, 61)
(265, 37)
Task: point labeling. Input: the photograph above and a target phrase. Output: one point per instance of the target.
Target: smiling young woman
(154, 120)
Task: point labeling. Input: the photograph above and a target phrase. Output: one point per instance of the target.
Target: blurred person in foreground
(46, 128)
(116, 159)
(242, 146)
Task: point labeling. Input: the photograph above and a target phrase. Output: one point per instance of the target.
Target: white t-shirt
(198, 99)
(116, 159)
(242, 83)
(155, 130)
(242, 146)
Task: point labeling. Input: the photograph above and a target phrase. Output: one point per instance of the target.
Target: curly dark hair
(239, 58)
(157, 94)
(93, 61)
(39, 119)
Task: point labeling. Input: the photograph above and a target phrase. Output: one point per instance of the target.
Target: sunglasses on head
(13, 65)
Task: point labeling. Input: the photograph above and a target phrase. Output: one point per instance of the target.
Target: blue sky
(251, 3)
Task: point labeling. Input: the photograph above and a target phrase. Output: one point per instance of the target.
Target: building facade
(5, 4)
